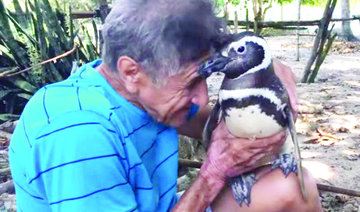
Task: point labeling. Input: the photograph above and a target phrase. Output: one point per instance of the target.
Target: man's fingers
(268, 141)
(221, 131)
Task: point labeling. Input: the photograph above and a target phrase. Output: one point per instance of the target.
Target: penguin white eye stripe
(243, 41)
(237, 44)
(225, 52)
(267, 56)
(243, 93)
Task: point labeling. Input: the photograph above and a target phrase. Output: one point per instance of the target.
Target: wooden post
(298, 33)
(318, 54)
(247, 16)
(104, 11)
(236, 22)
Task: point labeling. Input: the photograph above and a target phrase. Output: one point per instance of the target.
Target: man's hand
(230, 156)
(288, 79)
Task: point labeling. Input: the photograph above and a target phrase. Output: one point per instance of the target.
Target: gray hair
(161, 35)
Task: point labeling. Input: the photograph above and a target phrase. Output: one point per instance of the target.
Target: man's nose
(200, 94)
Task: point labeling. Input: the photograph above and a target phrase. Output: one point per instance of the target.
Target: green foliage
(219, 7)
(29, 37)
(235, 2)
(314, 3)
(82, 5)
(282, 2)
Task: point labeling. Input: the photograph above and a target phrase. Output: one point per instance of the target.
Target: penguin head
(244, 53)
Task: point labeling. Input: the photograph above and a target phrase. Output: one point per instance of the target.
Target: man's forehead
(191, 69)
(205, 58)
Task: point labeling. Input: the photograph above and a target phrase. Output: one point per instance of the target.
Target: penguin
(253, 103)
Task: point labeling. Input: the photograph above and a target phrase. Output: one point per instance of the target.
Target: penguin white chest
(251, 122)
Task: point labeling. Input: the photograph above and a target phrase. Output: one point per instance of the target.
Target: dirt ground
(329, 124)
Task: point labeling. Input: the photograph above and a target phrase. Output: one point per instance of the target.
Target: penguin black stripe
(264, 104)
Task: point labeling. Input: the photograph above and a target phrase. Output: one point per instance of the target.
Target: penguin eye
(241, 49)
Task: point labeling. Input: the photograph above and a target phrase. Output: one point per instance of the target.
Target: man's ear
(130, 72)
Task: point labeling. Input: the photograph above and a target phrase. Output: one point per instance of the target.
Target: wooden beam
(282, 24)
(80, 15)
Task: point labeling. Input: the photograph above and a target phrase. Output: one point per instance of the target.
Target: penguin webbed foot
(286, 162)
(241, 187)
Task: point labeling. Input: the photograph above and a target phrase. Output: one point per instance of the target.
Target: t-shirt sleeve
(82, 166)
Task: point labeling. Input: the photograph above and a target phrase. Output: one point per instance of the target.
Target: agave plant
(28, 37)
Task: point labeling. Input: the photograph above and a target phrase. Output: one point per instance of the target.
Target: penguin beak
(215, 64)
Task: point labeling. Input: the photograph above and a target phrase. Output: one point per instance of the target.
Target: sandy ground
(329, 124)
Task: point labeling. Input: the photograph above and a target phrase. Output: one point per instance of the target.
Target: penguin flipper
(297, 150)
(210, 125)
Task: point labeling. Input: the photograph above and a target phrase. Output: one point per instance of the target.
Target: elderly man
(105, 139)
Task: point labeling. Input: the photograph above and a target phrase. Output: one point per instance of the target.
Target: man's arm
(227, 157)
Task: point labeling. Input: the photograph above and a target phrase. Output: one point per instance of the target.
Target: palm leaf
(23, 85)
(96, 34)
(24, 96)
(7, 36)
(4, 93)
(20, 15)
(20, 29)
(6, 117)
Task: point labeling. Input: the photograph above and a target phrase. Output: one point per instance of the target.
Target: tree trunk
(254, 3)
(236, 22)
(298, 32)
(247, 17)
(226, 11)
(346, 32)
(318, 52)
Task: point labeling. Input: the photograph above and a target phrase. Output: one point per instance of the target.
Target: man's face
(170, 103)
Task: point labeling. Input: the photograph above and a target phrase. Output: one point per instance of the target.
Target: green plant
(28, 37)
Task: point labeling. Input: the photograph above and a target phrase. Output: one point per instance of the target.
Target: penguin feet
(241, 187)
(286, 162)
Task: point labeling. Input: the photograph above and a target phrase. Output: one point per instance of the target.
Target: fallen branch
(5, 135)
(54, 59)
(8, 126)
(322, 187)
(339, 190)
(5, 171)
(7, 187)
(190, 163)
